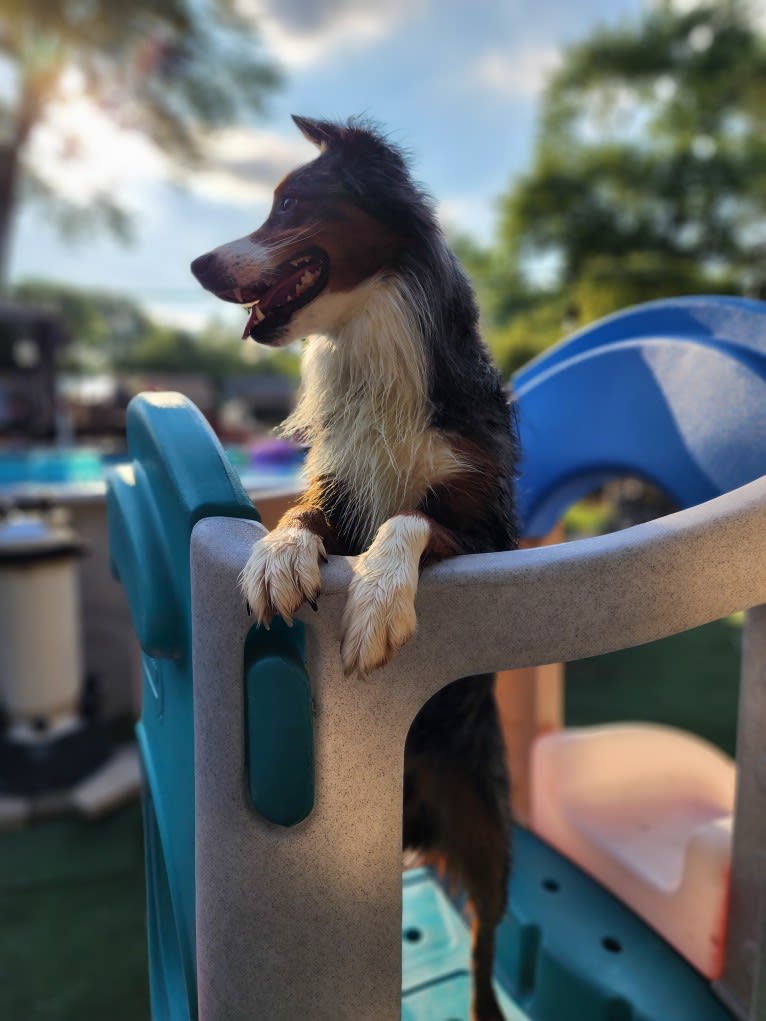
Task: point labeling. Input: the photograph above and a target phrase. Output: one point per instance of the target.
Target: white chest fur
(364, 408)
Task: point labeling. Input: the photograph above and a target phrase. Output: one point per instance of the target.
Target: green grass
(72, 942)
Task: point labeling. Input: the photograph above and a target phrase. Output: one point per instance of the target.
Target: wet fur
(364, 411)
(412, 458)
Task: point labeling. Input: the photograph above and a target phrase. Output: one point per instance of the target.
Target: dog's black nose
(202, 264)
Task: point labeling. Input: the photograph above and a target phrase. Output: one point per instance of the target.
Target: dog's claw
(248, 608)
(313, 604)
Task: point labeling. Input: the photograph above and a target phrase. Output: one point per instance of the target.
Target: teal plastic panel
(434, 936)
(449, 1000)
(178, 474)
(566, 951)
(279, 723)
(436, 981)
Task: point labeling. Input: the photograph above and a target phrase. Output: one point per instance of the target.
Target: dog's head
(335, 223)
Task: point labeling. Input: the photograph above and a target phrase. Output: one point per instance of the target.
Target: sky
(456, 82)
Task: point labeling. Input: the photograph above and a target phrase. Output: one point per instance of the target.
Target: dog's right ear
(322, 134)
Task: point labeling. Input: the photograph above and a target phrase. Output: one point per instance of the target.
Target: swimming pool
(267, 464)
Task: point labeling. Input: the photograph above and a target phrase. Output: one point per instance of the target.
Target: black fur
(466, 395)
(457, 732)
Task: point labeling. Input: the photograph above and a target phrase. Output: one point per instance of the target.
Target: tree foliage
(168, 69)
(647, 177)
(113, 333)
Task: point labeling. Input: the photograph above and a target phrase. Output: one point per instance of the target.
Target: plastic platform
(567, 951)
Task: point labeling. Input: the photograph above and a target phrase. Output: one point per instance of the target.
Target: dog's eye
(287, 203)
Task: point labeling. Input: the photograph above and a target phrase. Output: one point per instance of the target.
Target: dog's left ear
(322, 134)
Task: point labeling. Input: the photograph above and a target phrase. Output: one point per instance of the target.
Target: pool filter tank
(46, 743)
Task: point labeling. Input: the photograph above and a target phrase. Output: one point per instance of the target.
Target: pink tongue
(278, 295)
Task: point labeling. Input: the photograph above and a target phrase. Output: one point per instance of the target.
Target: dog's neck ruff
(364, 409)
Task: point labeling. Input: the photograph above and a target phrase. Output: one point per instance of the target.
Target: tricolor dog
(412, 456)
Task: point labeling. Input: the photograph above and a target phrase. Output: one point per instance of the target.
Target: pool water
(53, 466)
(270, 463)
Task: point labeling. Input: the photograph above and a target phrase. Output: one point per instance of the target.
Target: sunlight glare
(82, 155)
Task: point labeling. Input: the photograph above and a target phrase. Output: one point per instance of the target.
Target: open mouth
(289, 287)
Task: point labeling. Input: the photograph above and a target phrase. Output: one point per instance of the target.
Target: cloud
(471, 214)
(511, 74)
(244, 165)
(302, 33)
(82, 155)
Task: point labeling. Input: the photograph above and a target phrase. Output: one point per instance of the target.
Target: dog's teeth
(258, 314)
(307, 280)
(249, 304)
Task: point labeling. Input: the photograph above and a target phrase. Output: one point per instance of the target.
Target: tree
(168, 69)
(112, 333)
(647, 177)
(214, 352)
(105, 328)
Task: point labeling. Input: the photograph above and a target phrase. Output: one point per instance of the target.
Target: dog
(412, 455)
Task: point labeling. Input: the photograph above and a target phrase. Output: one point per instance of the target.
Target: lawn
(72, 944)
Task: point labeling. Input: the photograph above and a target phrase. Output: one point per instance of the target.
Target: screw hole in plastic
(611, 944)
(413, 935)
(551, 885)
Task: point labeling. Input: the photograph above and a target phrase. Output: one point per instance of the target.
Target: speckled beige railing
(305, 922)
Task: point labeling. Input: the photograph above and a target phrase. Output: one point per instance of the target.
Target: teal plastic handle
(178, 474)
(279, 724)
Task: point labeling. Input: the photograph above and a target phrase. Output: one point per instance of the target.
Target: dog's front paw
(282, 572)
(379, 618)
(380, 613)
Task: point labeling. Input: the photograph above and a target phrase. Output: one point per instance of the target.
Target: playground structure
(273, 786)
